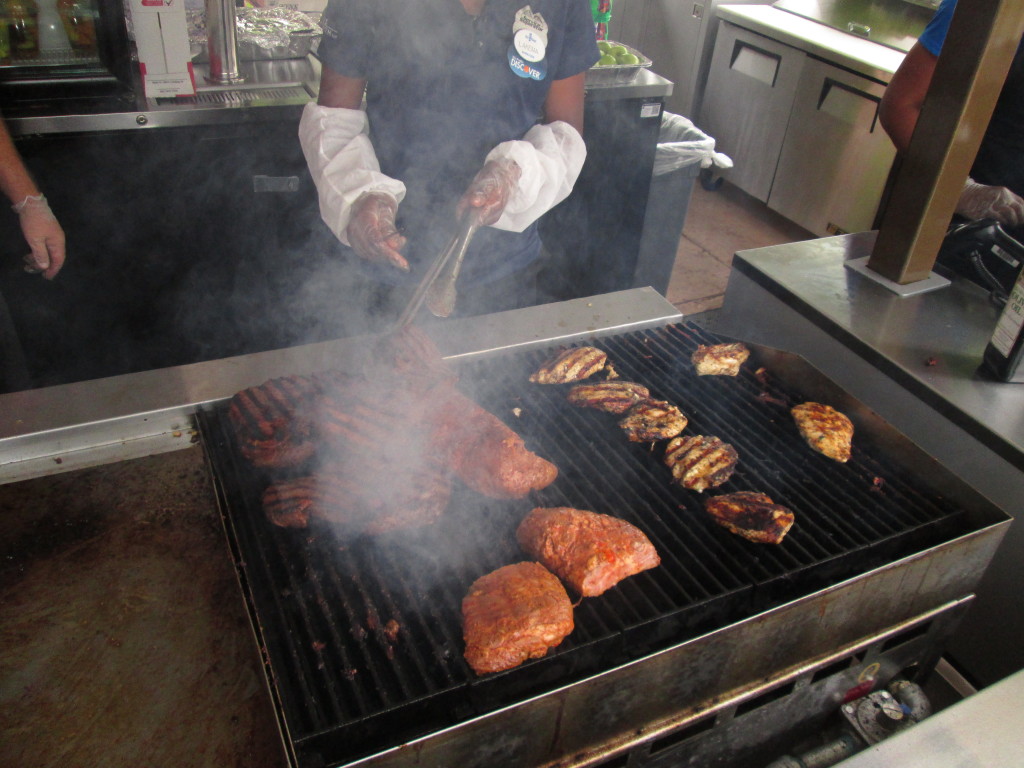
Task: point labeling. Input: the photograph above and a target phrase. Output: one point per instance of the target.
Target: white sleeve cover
(550, 158)
(341, 160)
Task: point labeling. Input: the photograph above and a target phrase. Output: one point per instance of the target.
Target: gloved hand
(371, 230)
(43, 234)
(490, 191)
(981, 201)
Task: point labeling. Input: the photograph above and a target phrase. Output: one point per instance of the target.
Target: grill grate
(348, 689)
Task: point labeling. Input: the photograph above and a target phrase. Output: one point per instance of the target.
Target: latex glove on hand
(981, 201)
(371, 230)
(43, 234)
(490, 191)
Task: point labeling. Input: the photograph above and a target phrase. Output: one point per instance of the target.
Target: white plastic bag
(681, 144)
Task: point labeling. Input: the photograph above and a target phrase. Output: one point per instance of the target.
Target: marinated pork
(273, 422)
(754, 516)
(610, 396)
(512, 614)
(720, 359)
(590, 552)
(570, 365)
(699, 462)
(653, 420)
(825, 429)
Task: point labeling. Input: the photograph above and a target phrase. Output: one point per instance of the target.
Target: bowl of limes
(619, 63)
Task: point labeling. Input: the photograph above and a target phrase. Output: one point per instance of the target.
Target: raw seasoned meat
(699, 462)
(720, 359)
(409, 356)
(752, 515)
(590, 552)
(653, 420)
(513, 614)
(825, 429)
(609, 396)
(574, 364)
(272, 421)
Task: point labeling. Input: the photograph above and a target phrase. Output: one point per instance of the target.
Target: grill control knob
(890, 713)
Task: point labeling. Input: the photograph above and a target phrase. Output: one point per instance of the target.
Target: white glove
(342, 162)
(981, 201)
(550, 158)
(43, 234)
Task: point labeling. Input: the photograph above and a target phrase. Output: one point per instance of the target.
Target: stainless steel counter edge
(55, 429)
(864, 56)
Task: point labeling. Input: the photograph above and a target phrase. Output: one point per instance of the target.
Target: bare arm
(15, 181)
(340, 91)
(565, 102)
(901, 103)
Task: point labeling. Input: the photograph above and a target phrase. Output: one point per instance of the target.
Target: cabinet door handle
(843, 101)
(755, 62)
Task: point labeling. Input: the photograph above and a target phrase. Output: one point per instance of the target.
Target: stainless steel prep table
(914, 360)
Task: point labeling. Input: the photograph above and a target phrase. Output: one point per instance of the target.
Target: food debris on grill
(653, 420)
(719, 359)
(610, 396)
(825, 429)
(513, 614)
(589, 551)
(752, 515)
(699, 462)
(273, 423)
(570, 365)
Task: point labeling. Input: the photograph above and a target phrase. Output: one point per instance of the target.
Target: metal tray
(617, 74)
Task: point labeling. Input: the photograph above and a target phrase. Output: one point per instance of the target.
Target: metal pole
(222, 44)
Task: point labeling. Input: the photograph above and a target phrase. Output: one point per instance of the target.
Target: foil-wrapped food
(261, 33)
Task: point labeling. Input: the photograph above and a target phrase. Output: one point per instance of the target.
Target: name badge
(529, 45)
(527, 69)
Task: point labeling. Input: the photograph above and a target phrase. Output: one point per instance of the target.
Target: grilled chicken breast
(610, 396)
(590, 552)
(653, 420)
(569, 365)
(719, 359)
(512, 614)
(825, 429)
(699, 462)
(754, 516)
(272, 422)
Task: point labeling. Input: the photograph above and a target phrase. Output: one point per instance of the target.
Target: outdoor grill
(362, 640)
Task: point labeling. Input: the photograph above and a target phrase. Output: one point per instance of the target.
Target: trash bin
(683, 151)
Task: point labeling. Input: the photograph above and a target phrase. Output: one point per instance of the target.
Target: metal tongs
(437, 288)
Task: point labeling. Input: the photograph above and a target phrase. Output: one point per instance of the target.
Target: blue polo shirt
(443, 89)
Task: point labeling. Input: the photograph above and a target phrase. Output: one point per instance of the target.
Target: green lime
(617, 50)
(627, 58)
(607, 61)
(603, 46)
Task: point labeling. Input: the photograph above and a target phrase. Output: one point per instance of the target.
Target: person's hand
(981, 201)
(43, 234)
(490, 191)
(371, 230)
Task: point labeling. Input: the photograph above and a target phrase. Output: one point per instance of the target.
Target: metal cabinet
(747, 103)
(835, 158)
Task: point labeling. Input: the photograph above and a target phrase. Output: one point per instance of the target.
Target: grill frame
(552, 682)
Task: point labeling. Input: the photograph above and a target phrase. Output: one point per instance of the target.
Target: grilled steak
(513, 614)
(699, 462)
(590, 552)
(570, 365)
(653, 420)
(751, 515)
(719, 359)
(609, 396)
(358, 499)
(272, 421)
(825, 429)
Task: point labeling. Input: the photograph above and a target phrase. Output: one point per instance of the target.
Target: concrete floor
(718, 224)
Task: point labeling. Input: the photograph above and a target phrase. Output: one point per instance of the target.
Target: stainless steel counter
(915, 361)
(43, 431)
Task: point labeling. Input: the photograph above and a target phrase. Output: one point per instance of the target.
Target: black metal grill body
(882, 538)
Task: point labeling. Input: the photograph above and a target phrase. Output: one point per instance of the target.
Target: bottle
(79, 22)
(1005, 350)
(24, 28)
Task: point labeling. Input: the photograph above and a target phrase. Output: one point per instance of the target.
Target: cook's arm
(537, 172)
(357, 202)
(40, 227)
(903, 97)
